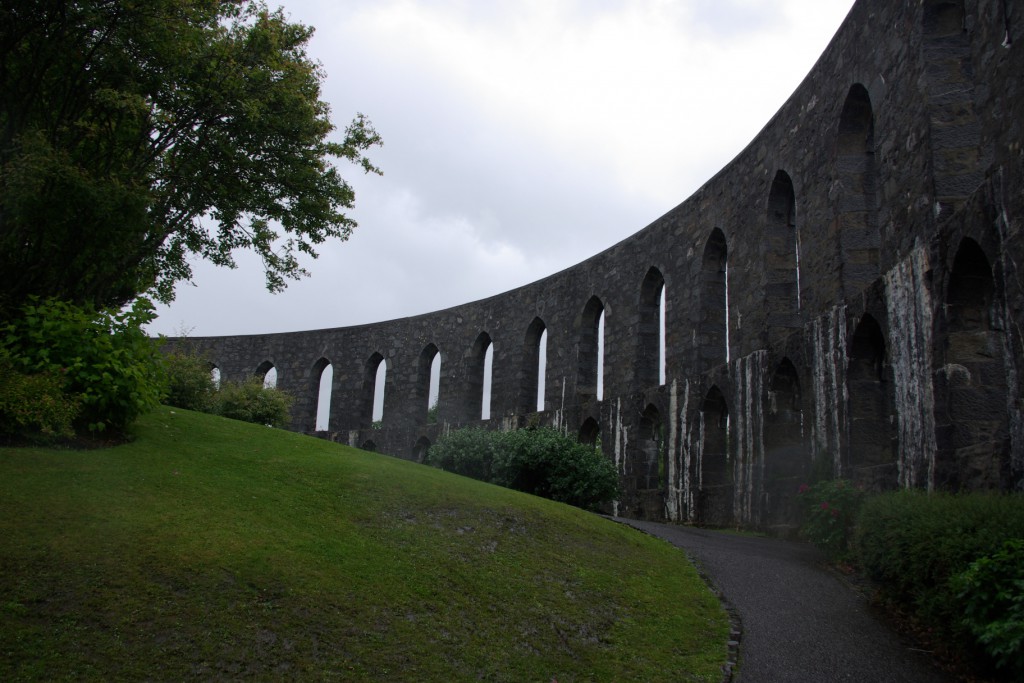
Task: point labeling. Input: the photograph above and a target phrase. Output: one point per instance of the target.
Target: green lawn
(215, 549)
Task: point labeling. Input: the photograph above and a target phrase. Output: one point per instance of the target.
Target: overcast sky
(520, 138)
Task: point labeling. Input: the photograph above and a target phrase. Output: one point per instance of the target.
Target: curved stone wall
(844, 298)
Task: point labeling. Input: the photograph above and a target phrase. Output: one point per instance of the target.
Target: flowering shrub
(829, 511)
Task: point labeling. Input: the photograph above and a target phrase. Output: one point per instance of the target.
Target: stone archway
(871, 457)
(716, 485)
(974, 455)
(786, 460)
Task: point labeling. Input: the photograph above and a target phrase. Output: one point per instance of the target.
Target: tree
(135, 134)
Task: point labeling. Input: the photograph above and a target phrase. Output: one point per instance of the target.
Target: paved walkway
(799, 621)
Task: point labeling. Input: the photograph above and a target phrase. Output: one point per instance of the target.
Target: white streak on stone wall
(1011, 273)
(738, 417)
(797, 249)
(909, 308)
(685, 485)
(1013, 406)
(563, 395)
(829, 379)
(727, 312)
(672, 498)
(749, 463)
(619, 448)
(698, 451)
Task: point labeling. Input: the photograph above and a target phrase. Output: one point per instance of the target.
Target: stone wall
(843, 299)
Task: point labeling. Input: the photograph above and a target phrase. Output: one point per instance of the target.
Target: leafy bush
(467, 451)
(104, 359)
(189, 382)
(991, 595)
(34, 406)
(541, 461)
(913, 543)
(829, 512)
(250, 401)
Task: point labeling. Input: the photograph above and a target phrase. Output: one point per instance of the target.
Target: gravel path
(799, 621)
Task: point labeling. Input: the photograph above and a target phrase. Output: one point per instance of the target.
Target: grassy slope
(216, 549)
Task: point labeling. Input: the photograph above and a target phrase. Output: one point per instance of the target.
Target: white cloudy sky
(520, 137)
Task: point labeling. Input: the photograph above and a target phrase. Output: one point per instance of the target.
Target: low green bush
(189, 382)
(34, 407)
(914, 543)
(830, 511)
(547, 463)
(250, 401)
(467, 451)
(105, 361)
(540, 461)
(991, 595)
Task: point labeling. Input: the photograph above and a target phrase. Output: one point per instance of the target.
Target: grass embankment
(210, 548)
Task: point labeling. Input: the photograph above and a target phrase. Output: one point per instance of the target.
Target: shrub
(189, 382)
(829, 512)
(991, 596)
(547, 463)
(467, 451)
(250, 401)
(104, 359)
(34, 406)
(541, 461)
(913, 543)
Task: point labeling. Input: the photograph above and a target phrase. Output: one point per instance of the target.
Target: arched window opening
(872, 455)
(650, 360)
(590, 432)
(786, 464)
(369, 445)
(713, 323)
(975, 428)
(419, 450)
(378, 392)
(782, 260)
(476, 399)
(971, 289)
(435, 382)
(323, 371)
(488, 372)
(215, 376)
(268, 373)
(374, 376)
(662, 348)
(715, 494)
(428, 382)
(859, 239)
(533, 367)
(542, 370)
(590, 346)
(600, 357)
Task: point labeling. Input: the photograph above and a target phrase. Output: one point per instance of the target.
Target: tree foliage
(135, 134)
